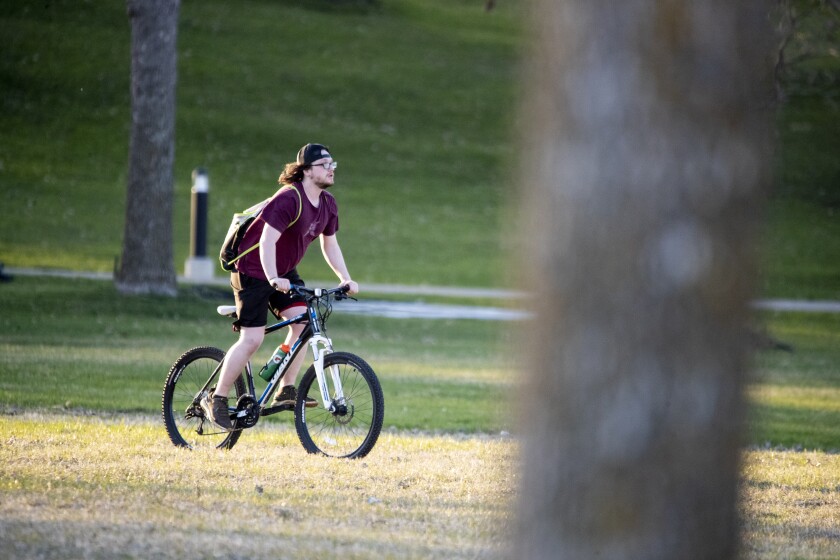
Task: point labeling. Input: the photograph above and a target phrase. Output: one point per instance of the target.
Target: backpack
(239, 225)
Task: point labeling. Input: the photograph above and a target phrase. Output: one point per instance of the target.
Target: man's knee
(295, 328)
(251, 338)
(294, 312)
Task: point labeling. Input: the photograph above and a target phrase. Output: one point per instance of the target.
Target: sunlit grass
(791, 505)
(81, 477)
(81, 486)
(95, 486)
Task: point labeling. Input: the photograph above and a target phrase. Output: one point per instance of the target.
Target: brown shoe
(216, 410)
(288, 397)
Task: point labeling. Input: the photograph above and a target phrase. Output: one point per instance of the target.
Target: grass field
(796, 396)
(417, 98)
(105, 488)
(112, 487)
(83, 396)
(414, 97)
(89, 348)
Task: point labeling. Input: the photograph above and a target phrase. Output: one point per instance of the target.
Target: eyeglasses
(328, 165)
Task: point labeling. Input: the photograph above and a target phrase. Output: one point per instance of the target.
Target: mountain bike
(346, 421)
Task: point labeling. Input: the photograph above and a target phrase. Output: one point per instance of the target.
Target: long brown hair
(292, 173)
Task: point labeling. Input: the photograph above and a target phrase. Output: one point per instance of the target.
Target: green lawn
(79, 345)
(81, 372)
(414, 97)
(418, 101)
(796, 396)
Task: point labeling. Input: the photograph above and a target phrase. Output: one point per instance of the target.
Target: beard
(324, 183)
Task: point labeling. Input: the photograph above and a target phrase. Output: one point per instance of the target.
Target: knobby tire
(186, 378)
(353, 433)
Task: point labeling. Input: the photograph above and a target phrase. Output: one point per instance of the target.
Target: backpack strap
(300, 207)
(300, 210)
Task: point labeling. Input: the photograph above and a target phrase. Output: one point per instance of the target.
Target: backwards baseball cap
(312, 153)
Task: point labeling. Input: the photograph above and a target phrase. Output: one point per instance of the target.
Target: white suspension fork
(321, 346)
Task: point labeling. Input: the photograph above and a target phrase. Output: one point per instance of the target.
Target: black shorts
(254, 297)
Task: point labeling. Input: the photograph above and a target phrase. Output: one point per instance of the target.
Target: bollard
(199, 267)
(198, 214)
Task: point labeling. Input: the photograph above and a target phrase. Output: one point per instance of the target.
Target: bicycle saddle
(227, 310)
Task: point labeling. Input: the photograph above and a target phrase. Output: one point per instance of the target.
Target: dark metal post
(198, 215)
(198, 266)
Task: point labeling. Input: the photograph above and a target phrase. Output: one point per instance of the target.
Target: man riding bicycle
(299, 212)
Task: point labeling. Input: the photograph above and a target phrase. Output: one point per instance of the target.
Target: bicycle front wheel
(184, 420)
(351, 430)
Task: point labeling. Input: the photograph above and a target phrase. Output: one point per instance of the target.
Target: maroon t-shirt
(279, 213)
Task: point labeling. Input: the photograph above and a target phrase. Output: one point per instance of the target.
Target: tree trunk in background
(646, 158)
(147, 264)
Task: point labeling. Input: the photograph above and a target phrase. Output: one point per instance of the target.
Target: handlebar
(304, 292)
(308, 294)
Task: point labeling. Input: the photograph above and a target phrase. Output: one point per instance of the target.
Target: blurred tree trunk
(147, 263)
(645, 162)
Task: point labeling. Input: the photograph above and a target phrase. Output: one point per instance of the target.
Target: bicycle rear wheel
(184, 420)
(352, 429)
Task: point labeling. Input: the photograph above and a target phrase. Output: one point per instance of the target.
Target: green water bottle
(276, 359)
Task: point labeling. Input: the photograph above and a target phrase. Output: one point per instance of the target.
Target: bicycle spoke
(352, 430)
(184, 421)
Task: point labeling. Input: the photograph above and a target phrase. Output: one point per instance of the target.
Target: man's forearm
(268, 257)
(269, 263)
(335, 259)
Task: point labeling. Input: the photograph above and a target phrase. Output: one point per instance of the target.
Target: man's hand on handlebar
(283, 285)
(280, 284)
(352, 287)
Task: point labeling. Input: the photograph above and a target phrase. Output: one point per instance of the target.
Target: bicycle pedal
(267, 411)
